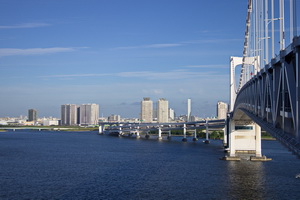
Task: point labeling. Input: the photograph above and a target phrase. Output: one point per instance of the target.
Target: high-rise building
(222, 109)
(89, 114)
(162, 111)
(114, 118)
(189, 110)
(146, 110)
(171, 114)
(69, 115)
(32, 115)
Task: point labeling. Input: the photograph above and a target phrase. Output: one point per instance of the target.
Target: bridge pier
(226, 132)
(159, 133)
(138, 133)
(195, 136)
(169, 135)
(257, 140)
(297, 62)
(100, 129)
(120, 130)
(206, 134)
(147, 136)
(184, 133)
(245, 142)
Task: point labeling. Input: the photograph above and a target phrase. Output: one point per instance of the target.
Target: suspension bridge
(266, 91)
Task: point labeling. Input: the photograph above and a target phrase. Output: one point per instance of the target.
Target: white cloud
(212, 41)
(169, 75)
(207, 66)
(75, 75)
(35, 51)
(163, 45)
(150, 75)
(178, 44)
(150, 46)
(25, 25)
(158, 91)
(153, 91)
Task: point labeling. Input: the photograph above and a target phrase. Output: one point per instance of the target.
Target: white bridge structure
(137, 129)
(266, 93)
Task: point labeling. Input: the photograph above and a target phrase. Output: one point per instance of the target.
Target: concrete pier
(195, 136)
(120, 130)
(159, 133)
(245, 142)
(206, 133)
(169, 136)
(101, 129)
(184, 133)
(147, 136)
(138, 134)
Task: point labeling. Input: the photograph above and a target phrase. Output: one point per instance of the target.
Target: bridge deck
(284, 137)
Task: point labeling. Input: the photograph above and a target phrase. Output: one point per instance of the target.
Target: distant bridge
(136, 129)
(267, 94)
(34, 128)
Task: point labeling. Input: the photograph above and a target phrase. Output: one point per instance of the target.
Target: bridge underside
(284, 137)
(241, 118)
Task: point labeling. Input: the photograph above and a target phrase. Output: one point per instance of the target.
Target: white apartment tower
(162, 111)
(69, 114)
(222, 109)
(171, 114)
(89, 114)
(189, 110)
(146, 110)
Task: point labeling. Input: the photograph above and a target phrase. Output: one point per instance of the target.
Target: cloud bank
(34, 51)
(150, 75)
(25, 25)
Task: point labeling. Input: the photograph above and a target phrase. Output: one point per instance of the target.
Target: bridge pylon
(243, 137)
(252, 63)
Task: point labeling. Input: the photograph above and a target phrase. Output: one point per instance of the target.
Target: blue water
(63, 165)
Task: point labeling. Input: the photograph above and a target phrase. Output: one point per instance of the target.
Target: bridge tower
(244, 135)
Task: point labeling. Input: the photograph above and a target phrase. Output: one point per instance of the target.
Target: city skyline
(114, 53)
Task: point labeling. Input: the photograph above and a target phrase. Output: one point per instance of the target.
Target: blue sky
(115, 52)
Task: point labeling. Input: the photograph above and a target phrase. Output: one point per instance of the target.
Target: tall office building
(146, 110)
(171, 114)
(222, 109)
(89, 114)
(32, 115)
(189, 110)
(69, 115)
(162, 111)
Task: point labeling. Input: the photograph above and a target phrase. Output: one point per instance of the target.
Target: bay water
(85, 165)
